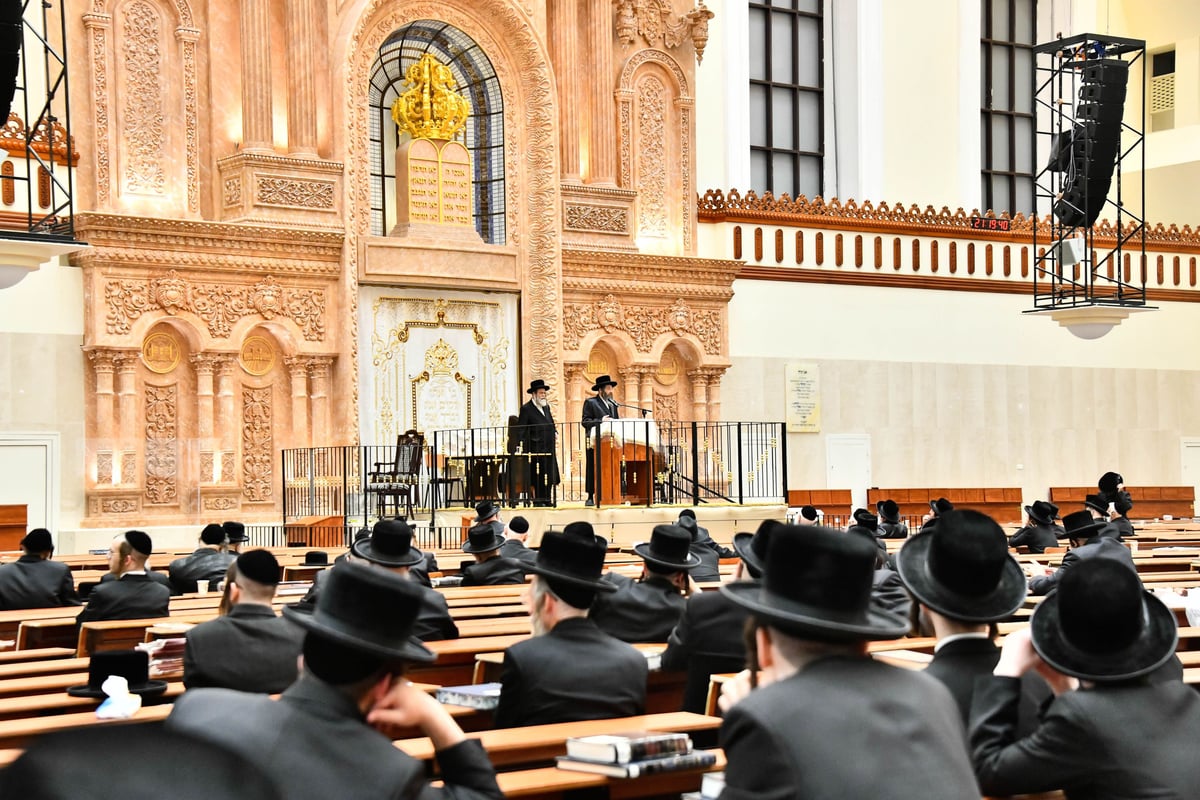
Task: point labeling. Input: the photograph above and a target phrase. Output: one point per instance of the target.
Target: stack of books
(166, 656)
(632, 755)
(484, 696)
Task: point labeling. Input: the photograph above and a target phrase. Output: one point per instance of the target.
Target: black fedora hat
(132, 665)
(351, 611)
(1096, 502)
(574, 557)
(1080, 525)
(752, 547)
(1042, 512)
(818, 585)
(315, 558)
(940, 506)
(602, 381)
(235, 532)
(1109, 483)
(810, 513)
(212, 533)
(537, 384)
(865, 519)
(961, 568)
(1100, 624)
(482, 539)
(390, 545)
(889, 510)
(668, 548)
(485, 509)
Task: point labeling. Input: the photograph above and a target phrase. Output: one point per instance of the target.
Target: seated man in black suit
(570, 669)
(330, 733)
(133, 594)
(490, 568)
(207, 564)
(705, 548)
(249, 648)
(813, 727)
(708, 637)
(962, 575)
(1088, 541)
(1041, 532)
(515, 534)
(1119, 734)
(34, 580)
(890, 524)
(646, 610)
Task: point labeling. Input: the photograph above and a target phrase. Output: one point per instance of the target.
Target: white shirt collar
(954, 637)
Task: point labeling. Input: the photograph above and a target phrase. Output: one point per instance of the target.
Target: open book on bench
(698, 759)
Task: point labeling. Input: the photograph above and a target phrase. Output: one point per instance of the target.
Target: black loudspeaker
(10, 54)
(1088, 152)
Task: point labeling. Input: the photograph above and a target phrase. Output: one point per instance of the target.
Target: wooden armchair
(399, 479)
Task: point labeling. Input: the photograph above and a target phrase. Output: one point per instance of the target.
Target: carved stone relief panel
(257, 449)
(652, 157)
(142, 123)
(643, 323)
(162, 444)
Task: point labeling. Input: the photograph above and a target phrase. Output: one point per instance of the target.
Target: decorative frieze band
(643, 323)
(602, 219)
(220, 305)
(294, 193)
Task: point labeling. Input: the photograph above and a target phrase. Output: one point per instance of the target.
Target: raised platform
(625, 525)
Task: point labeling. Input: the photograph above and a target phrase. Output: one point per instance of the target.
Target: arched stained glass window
(484, 134)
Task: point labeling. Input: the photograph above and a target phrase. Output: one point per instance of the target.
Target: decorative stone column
(258, 133)
(226, 423)
(714, 394)
(297, 367)
(319, 368)
(602, 137)
(203, 364)
(564, 53)
(103, 433)
(632, 378)
(126, 437)
(302, 86)
(646, 400)
(573, 375)
(699, 380)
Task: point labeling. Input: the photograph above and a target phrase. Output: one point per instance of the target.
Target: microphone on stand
(644, 411)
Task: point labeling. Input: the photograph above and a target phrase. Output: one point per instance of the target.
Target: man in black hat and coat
(207, 564)
(965, 581)
(936, 509)
(235, 536)
(490, 568)
(703, 547)
(647, 609)
(890, 524)
(1100, 507)
(708, 637)
(250, 649)
(133, 594)
(330, 733)
(539, 437)
(596, 410)
(1120, 734)
(570, 670)
(1041, 532)
(814, 726)
(487, 512)
(34, 580)
(1087, 542)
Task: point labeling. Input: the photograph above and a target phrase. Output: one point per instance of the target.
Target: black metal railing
(631, 461)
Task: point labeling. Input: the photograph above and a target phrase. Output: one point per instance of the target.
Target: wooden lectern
(625, 462)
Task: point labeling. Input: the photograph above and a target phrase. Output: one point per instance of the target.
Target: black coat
(846, 727)
(1037, 537)
(250, 649)
(888, 592)
(493, 572)
(539, 435)
(512, 548)
(574, 672)
(34, 582)
(639, 611)
(129, 597)
(1123, 741)
(709, 569)
(206, 564)
(706, 640)
(314, 744)
(594, 411)
(155, 576)
(957, 663)
(1096, 547)
(892, 530)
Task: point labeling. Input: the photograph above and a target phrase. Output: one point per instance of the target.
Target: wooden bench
(1148, 501)
(19, 732)
(1003, 504)
(39, 654)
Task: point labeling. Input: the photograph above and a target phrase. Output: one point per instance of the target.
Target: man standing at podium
(538, 439)
(597, 409)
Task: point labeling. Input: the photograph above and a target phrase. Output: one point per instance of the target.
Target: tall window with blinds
(786, 97)
(1006, 101)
